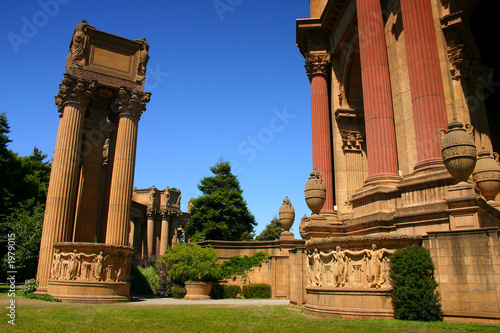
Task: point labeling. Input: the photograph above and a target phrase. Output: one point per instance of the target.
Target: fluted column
(72, 100)
(317, 66)
(377, 98)
(90, 176)
(165, 235)
(426, 84)
(150, 228)
(129, 106)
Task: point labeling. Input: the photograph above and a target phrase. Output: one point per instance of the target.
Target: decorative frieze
(90, 262)
(363, 268)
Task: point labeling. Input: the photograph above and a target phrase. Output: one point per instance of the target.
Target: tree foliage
(23, 187)
(220, 213)
(414, 295)
(272, 231)
(188, 262)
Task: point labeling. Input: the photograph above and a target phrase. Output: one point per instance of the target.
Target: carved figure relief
(143, 60)
(365, 268)
(81, 266)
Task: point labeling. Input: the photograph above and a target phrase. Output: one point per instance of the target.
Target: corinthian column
(377, 98)
(165, 235)
(426, 84)
(129, 105)
(72, 100)
(317, 66)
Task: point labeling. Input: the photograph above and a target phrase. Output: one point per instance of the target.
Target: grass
(39, 316)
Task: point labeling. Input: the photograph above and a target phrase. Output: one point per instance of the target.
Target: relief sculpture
(365, 268)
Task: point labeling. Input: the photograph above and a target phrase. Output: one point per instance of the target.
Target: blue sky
(226, 78)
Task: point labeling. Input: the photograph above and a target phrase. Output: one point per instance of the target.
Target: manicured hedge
(225, 291)
(257, 291)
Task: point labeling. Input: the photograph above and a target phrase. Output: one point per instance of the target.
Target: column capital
(74, 90)
(130, 102)
(317, 64)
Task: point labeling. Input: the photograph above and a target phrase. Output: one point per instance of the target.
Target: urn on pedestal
(458, 151)
(486, 174)
(286, 216)
(315, 192)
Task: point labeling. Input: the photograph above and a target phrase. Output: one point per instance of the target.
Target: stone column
(165, 234)
(87, 208)
(426, 84)
(150, 234)
(131, 235)
(377, 98)
(129, 106)
(72, 100)
(317, 66)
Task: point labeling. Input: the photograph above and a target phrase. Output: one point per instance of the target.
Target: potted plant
(192, 266)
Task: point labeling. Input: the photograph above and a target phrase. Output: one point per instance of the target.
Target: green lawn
(39, 316)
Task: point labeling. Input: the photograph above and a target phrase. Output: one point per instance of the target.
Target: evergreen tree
(414, 295)
(23, 186)
(272, 231)
(220, 213)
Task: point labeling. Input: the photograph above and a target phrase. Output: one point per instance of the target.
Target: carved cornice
(74, 90)
(130, 102)
(317, 64)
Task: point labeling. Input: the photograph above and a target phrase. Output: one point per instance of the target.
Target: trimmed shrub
(188, 262)
(257, 291)
(144, 281)
(224, 291)
(414, 295)
(29, 288)
(177, 291)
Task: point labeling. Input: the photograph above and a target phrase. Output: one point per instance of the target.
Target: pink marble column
(426, 84)
(72, 100)
(377, 98)
(129, 106)
(317, 66)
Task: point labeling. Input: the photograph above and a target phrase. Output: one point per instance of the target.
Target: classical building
(157, 221)
(401, 99)
(84, 252)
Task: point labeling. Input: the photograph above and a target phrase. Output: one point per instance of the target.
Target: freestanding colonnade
(85, 253)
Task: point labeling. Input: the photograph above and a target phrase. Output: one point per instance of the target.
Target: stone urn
(286, 214)
(486, 174)
(458, 151)
(198, 290)
(315, 192)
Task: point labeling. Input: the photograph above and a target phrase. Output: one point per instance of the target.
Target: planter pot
(458, 151)
(286, 214)
(487, 174)
(315, 192)
(198, 290)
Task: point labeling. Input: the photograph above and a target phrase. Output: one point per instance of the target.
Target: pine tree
(220, 213)
(272, 231)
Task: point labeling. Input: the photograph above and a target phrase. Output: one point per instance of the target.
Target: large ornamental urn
(286, 214)
(458, 151)
(486, 174)
(315, 192)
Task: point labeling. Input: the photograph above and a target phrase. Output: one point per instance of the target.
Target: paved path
(138, 300)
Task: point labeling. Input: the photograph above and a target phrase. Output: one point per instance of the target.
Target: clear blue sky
(226, 78)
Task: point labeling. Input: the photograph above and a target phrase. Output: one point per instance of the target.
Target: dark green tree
(414, 295)
(272, 231)
(23, 186)
(220, 213)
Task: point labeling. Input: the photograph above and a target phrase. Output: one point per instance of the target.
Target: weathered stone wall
(467, 267)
